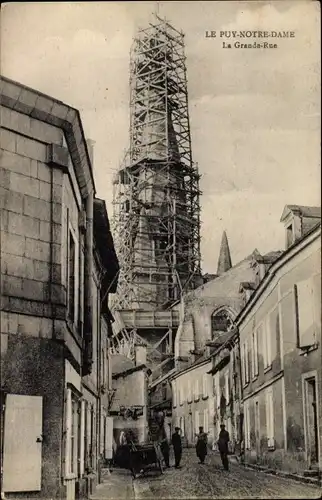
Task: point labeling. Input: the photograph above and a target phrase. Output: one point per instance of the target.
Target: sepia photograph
(160, 207)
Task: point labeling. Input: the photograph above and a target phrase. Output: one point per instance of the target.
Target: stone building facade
(54, 280)
(280, 343)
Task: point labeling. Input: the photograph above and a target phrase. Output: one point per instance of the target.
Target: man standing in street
(223, 446)
(177, 447)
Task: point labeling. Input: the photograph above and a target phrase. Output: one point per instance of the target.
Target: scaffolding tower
(156, 218)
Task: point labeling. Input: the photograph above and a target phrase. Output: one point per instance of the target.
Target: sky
(254, 113)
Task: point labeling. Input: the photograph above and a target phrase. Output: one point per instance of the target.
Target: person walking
(223, 446)
(201, 446)
(177, 447)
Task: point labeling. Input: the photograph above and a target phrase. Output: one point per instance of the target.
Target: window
(267, 350)
(181, 394)
(174, 394)
(217, 390)
(221, 322)
(227, 387)
(247, 425)
(206, 420)
(72, 411)
(245, 363)
(196, 391)
(305, 313)
(205, 385)
(71, 277)
(182, 426)
(92, 449)
(270, 418)
(81, 284)
(189, 392)
(197, 421)
(254, 354)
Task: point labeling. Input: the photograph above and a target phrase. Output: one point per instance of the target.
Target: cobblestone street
(210, 481)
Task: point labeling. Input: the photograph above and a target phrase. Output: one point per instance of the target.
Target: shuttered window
(189, 392)
(205, 385)
(304, 299)
(254, 354)
(206, 420)
(197, 421)
(270, 418)
(196, 389)
(247, 425)
(174, 394)
(267, 340)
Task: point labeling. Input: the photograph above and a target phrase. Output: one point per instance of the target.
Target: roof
(120, 363)
(285, 256)
(304, 211)
(105, 245)
(268, 258)
(31, 102)
(199, 362)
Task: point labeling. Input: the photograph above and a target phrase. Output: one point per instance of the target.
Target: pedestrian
(177, 447)
(223, 446)
(165, 451)
(201, 446)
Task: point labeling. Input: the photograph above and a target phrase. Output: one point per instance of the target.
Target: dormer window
(289, 236)
(298, 220)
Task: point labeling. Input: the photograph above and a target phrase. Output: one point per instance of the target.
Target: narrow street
(211, 481)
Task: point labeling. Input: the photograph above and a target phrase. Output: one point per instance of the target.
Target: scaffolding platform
(141, 320)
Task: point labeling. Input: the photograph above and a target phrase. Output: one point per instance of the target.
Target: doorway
(311, 420)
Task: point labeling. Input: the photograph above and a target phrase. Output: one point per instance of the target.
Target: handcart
(144, 457)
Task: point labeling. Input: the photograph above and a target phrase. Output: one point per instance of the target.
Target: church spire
(224, 261)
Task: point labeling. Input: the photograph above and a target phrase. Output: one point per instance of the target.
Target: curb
(289, 475)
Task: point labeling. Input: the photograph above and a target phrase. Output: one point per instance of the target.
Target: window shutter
(227, 395)
(82, 439)
(196, 389)
(189, 395)
(269, 417)
(68, 426)
(246, 363)
(305, 313)
(197, 421)
(109, 438)
(102, 429)
(174, 394)
(182, 426)
(206, 420)
(205, 385)
(255, 353)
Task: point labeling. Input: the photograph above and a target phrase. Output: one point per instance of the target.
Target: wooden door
(22, 443)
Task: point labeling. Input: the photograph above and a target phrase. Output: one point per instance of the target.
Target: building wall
(41, 347)
(202, 302)
(289, 365)
(192, 397)
(227, 396)
(130, 390)
(31, 364)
